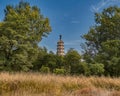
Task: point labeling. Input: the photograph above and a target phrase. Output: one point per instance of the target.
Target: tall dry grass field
(35, 84)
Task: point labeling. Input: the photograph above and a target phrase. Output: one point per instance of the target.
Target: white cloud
(102, 4)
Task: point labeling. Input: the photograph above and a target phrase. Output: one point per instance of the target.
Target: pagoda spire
(60, 37)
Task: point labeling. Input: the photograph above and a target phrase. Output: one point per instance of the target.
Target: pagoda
(60, 47)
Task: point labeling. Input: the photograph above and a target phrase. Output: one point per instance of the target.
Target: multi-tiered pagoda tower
(60, 47)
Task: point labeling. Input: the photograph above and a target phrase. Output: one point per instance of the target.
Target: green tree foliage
(83, 69)
(20, 32)
(58, 71)
(45, 69)
(60, 61)
(38, 63)
(49, 60)
(111, 55)
(96, 69)
(103, 40)
(72, 60)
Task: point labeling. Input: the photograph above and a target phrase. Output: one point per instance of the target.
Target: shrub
(44, 69)
(97, 69)
(59, 71)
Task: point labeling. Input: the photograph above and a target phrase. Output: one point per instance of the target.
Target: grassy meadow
(36, 84)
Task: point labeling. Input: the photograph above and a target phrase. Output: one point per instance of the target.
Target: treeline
(24, 27)
(71, 64)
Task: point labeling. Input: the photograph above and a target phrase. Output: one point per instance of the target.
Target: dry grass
(35, 84)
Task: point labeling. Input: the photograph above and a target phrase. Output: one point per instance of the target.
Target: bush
(97, 69)
(83, 69)
(59, 71)
(44, 69)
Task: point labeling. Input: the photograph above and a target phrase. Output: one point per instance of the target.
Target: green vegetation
(23, 28)
(103, 41)
(20, 32)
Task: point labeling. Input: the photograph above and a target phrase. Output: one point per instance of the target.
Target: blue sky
(70, 18)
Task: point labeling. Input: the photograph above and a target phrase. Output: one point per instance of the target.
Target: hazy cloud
(102, 4)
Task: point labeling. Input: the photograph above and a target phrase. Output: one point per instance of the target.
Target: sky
(69, 18)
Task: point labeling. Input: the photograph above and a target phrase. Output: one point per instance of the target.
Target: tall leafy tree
(103, 39)
(20, 32)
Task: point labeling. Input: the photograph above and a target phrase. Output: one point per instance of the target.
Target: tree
(49, 60)
(83, 69)
(103, 39)
(60, 61)
(38, 63)
(72, 60)
(106, 28)
(96, 69)
(20, 32)
(111, 52)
